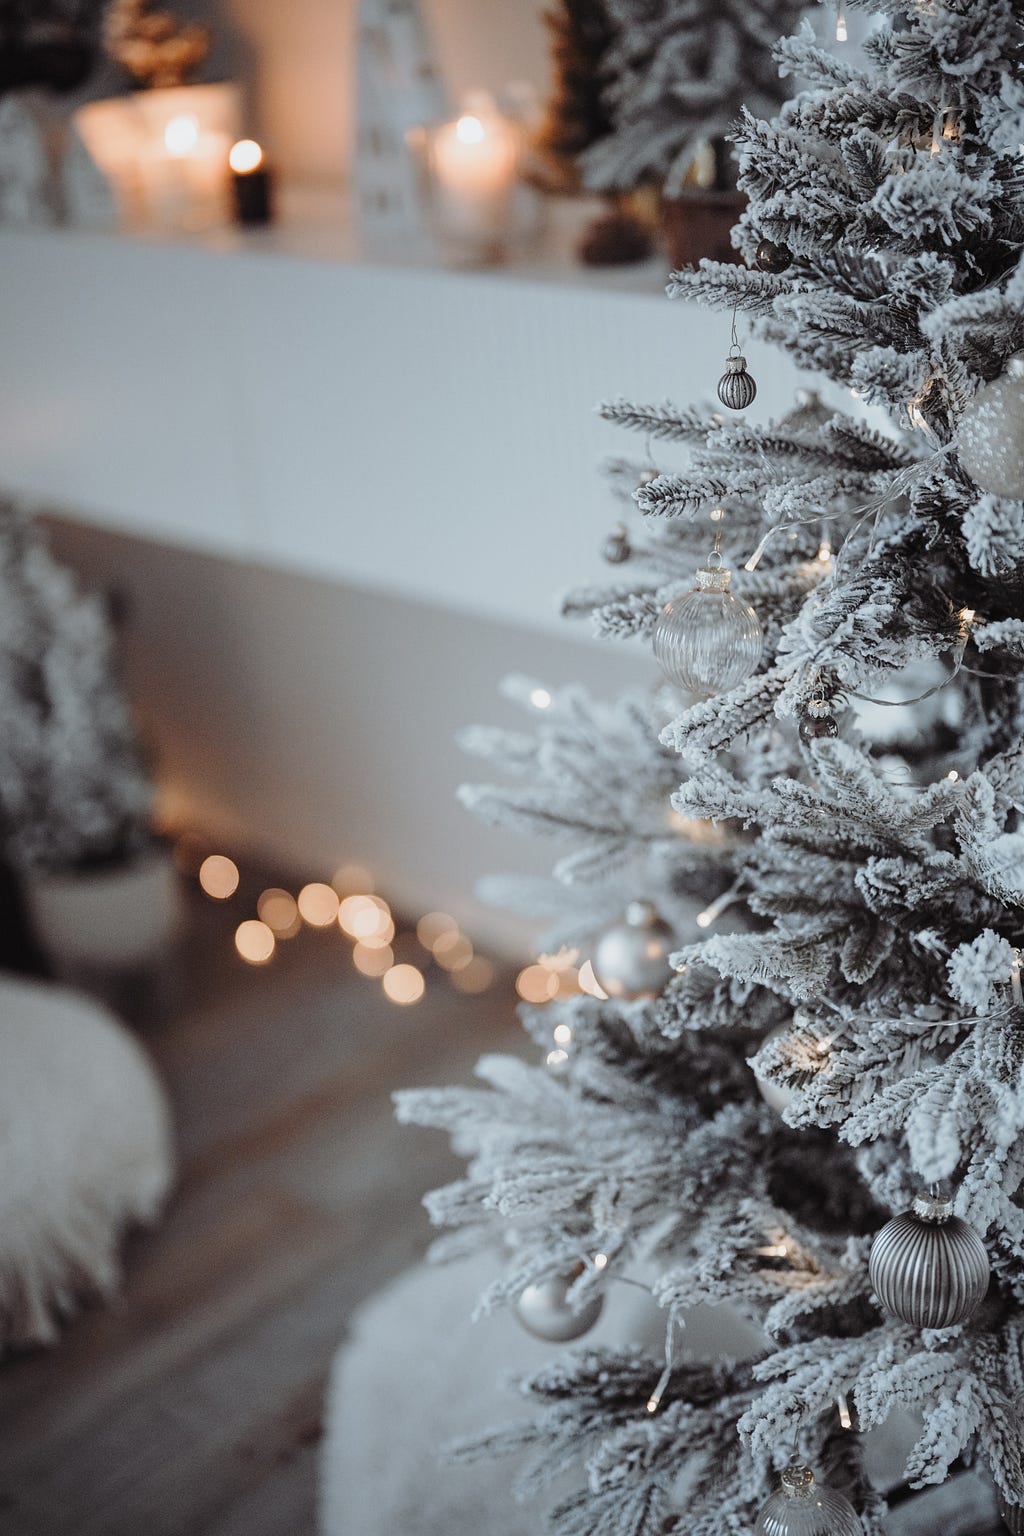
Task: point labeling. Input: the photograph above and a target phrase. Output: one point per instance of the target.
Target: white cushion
(84, 1151)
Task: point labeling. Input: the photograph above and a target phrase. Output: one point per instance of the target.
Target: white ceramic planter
(117, 919)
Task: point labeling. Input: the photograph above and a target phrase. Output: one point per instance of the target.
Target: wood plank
(191, 1406)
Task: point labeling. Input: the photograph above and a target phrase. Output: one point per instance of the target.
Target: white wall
(315, 723)
(301, 67)
(397, 470)
(426, 433)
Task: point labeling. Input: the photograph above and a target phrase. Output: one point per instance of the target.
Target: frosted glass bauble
(803, 1507)
(630, 959)
(990, 443)
(709, 640)
(779, 1096)
(928, 1267)
(545, 1312)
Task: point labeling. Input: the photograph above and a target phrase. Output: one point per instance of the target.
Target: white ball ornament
(804, 1507)
(708, 640)
(544, 1310)
(990, 443)
(928, 1267)
(776, 1095)
(631, 958)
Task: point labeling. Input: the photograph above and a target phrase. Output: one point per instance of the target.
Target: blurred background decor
(165, 146)
(678, 74)
(75, 799)
(397, 89)
(577, 117)
(47, 51)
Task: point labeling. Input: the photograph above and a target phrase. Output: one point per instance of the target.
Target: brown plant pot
(700, 224)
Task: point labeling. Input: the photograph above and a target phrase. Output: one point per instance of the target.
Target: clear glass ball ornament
(990, 442)
(544, 1310)
(631, 958)
(708, 640)
(803, 1507)
(928, 1267)
(779, 1096)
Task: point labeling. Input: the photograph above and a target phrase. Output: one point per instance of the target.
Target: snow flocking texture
(880, 894)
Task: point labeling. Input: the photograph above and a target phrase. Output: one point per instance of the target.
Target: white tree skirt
(84, 1149)
(417, 1373)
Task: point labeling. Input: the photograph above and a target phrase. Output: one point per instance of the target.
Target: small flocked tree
(853, 1040)
(577, 116)
(73, 793)
(678, 73)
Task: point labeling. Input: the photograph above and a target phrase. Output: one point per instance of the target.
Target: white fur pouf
(85, 1150)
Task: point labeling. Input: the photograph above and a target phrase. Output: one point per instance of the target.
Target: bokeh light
(280, 911)
(475, 977)
(590, 984)
(218, 876)
(245, 156)
(181, 134)
(404, 984)
(536, 984)
(318, 904)
(373, 961)
(254, 941)
(433, 926)
(453, 951)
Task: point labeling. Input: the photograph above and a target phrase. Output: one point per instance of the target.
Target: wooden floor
(192, 1406)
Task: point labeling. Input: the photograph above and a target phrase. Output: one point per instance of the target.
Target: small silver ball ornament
(928, 1267)
(708, 640)
(616, 549)
(804, 1507)
(630, 959)
(736, 387)
(990, 443)
(545, 1312)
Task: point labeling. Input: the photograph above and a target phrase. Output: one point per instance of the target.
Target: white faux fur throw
(84, 1151)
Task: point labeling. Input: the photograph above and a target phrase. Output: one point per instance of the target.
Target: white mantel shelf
(281, 399)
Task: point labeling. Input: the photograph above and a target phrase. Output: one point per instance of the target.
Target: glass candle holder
(468, 174)
(165, 154)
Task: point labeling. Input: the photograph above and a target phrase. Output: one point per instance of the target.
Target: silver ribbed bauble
(990, 443)
(1012, 1516)
(630, 959)
(708, 640)
(544, 1311)
(803, 1507)
(928, 1267)
(736, 388)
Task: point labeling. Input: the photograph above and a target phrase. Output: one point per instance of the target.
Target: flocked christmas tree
(804, 1092)
(678, 72)
(73, 790)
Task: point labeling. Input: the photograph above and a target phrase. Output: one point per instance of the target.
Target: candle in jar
(474, 164)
